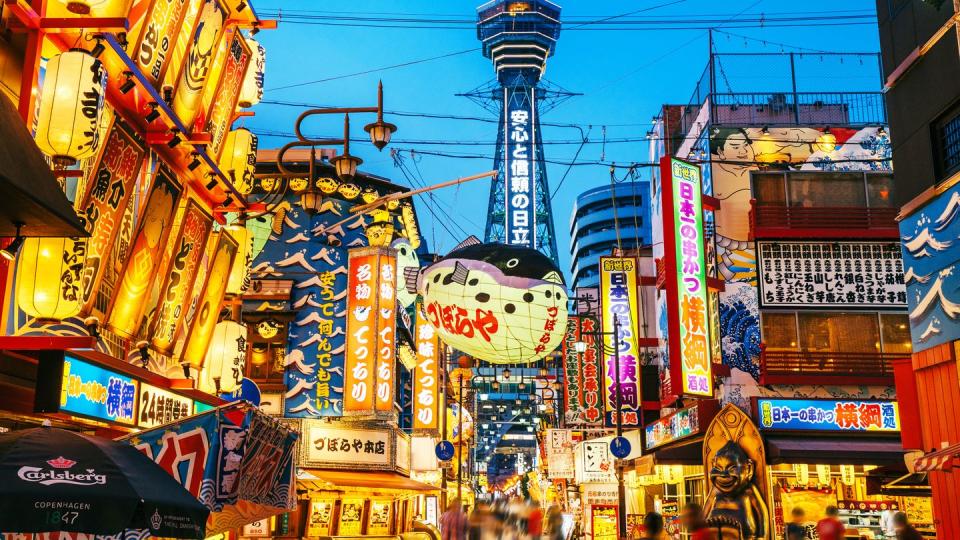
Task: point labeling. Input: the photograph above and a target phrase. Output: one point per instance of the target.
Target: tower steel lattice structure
(518, 37)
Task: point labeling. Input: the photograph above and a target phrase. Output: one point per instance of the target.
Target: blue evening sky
(625, 76)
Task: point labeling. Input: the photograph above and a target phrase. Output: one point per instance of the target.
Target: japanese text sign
(582, 372)
(426, 379)
(827, 415)
(371, 331)
(340, 446)
(520, 167)
(594, 463)
(686, 280)
(681, 424)
(618, 302)
(93, 391)
(158, 406)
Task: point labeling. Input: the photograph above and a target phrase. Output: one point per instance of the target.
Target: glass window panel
(895, 329)
(826, 189)
(780, 331)
(839, 332)
(769, 189)
(880, 190)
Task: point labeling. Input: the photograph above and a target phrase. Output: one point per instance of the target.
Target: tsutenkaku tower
(519, 37)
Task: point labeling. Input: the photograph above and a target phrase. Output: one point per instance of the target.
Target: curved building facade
(593, 231)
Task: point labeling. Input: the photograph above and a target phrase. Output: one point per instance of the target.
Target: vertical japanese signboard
(228, 90)
(109, 188)
(208, 305)
(619, 302)
(160, 29)
(520, 168)
(371, 329)
(199, 62)
(426, 378)
(686, 281)
(582, 372)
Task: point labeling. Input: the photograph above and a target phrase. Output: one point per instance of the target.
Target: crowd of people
(513, 519)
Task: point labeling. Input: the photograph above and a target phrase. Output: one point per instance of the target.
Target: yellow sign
(351, 517)
(321, 514)
(618, 301)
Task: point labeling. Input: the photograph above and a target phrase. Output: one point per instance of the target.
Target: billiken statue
(735, 508)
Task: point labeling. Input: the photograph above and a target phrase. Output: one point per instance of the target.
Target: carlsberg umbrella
(57, 480)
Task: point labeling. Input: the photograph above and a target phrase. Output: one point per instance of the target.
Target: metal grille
(949, 138)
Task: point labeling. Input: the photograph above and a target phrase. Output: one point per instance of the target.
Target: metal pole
(443, 431)
(460, 441)
(621, 490)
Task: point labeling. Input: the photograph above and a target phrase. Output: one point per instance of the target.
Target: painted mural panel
(734, 153)
(930, 238)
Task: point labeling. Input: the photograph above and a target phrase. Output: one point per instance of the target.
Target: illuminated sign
(371, 331)
(686, 280)
(208, 303)
(93, 391)
(337, 445)
(618, 300)
(163, 22)
(520, 198)
(158, 406)
(228, 91)
(827, 415)
(681, 424)
(582, 372)
(426, 378)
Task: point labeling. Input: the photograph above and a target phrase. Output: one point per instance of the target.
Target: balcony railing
(814, 367)
(802, 108)
(778, 221)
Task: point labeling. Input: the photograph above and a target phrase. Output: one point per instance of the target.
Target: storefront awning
(684, 452)
(330, 480)
(944, 459)
(865, 451)
(31, 194)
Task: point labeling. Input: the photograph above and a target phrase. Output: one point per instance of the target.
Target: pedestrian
(476, 522)
(830, 527)
(904, 530)
(534, 521)
(797, 529)
(554, 523)
(692, 519)
(453, 522)
(653, 527)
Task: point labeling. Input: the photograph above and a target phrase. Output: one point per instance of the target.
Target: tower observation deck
(519, 37)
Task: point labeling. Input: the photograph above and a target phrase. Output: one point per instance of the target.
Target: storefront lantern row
(223, 366)
(252, 89)
(48, 271)
(71, 106)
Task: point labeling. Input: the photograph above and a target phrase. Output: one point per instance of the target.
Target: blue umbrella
(58, 480)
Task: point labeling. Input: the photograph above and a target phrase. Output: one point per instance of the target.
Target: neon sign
(520, 197)
(827, 415)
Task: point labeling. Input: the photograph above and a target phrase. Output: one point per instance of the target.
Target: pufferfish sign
(499, 303)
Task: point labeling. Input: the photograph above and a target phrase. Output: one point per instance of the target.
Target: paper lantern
(848, 474)
(802, 473)
(380, 231)
(239, 159)
(71, 106)
(225, 358)
(408, 266)
(240, 271)
(251, 91)
(48, 277)
(823, 474)
(499, 303)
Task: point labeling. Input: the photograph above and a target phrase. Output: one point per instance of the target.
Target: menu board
(379, 522)
(321, 512)
(603, 520)
(351, 517)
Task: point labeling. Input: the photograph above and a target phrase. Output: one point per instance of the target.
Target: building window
(946, 134)
(823, 189)
(836, 331)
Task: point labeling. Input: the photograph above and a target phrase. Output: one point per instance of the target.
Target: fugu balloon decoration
(408, 266)
(499, 303)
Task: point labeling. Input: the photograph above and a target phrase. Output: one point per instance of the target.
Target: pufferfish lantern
(499, 303)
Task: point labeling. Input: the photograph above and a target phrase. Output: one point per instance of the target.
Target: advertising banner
(690, 363)
(582, 372)
(199, 62)
(228, 90)
(827, 415)
(619, 301)
(426, 378)
(161, 26)
(95, 392)
(520, 199)
(560, 446)
(208, 306)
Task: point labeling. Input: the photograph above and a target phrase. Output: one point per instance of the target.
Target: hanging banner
(371, 328)
(199, 61)
(161, 26)
(426, 378)
(690, 364)
(618, 300)
(582, 372)
(237, 462)
(520, 199)
(228, 91)
(208, 309)
(187, 252)
(142, 265)
(108, 191)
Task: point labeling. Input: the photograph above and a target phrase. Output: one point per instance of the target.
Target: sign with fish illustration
(498, 303)
(931, 255)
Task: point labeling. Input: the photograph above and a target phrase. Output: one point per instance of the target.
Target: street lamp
(380, 131)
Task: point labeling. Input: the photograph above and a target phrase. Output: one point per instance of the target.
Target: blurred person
(554, 523)
(653, 527)
(475, 522)
(904, 530)
(453, 522)
(830, 527)
(693, 522)
(534, 521)
(797, 529)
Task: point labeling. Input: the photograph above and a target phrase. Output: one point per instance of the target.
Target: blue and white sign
(620, 447)
(95, 392)
(520, 167)
(828, 415)
(247, 391)
(445, 450)
(930, 239)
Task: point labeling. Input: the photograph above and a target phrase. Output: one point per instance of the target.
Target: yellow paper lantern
(251, 92)
(48, 277)
(240, 271)
(239, 158)
(802, 473)
(259, 354)
(823, 474)
(225, 358)
(71, 106)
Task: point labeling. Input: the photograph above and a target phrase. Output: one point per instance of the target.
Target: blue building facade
(593, 229)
